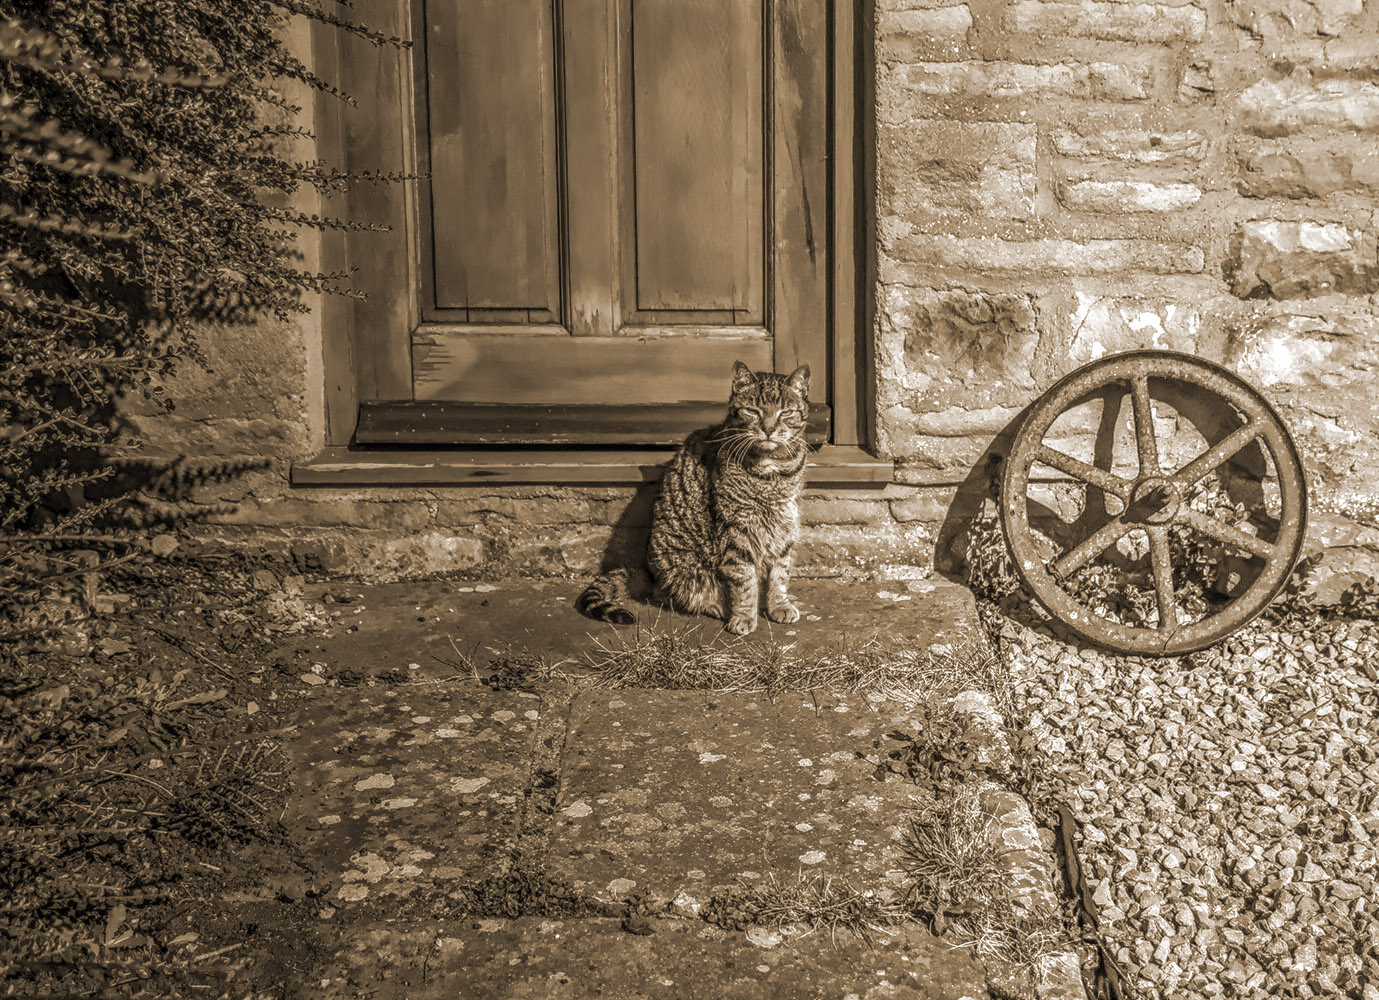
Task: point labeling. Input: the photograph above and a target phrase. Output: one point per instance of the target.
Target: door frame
(359, 364)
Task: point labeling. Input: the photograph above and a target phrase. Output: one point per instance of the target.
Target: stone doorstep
(428, 622)
(420, 786)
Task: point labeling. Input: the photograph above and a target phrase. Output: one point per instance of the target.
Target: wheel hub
(1153, 500)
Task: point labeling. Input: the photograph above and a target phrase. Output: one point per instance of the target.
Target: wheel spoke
(1145, 443)
(1108, 482)
(1162, 560)
(1224, 532)
(1214, 456)
(1091, 547)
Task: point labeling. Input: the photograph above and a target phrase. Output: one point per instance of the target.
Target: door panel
(696, 149)
(523, 366)
(624, 197)
(491, 121)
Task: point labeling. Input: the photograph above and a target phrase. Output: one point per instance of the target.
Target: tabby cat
(727, 513)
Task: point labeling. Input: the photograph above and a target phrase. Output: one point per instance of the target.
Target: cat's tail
(603, 599)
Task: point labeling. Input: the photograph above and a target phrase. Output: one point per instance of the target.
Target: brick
(984, 255)
(1131, 145)
(1282, 107)
(1128, 196)
(930, 169)
(1126, 22)
(970, 80)
(1287, 260)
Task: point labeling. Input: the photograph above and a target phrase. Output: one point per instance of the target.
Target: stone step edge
(1058, 976)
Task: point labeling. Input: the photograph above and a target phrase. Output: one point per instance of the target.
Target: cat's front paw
(786, 614)
(742, 624)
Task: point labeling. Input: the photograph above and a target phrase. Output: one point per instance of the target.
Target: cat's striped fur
(726, 516)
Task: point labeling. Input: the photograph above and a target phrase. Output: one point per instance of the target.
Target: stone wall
(1055, 181)
(1062, 180)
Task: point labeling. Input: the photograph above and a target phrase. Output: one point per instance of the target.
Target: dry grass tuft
(679, 659)
(962, 885)
(950, 854)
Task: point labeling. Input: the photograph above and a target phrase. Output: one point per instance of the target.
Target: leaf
(113, 922)
(198, 699)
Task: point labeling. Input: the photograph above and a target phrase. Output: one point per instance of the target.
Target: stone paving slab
(688, 790)
(682, 960)
(403, 786)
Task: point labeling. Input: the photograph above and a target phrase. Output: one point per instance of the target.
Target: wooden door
(612, 201)
(624, 197)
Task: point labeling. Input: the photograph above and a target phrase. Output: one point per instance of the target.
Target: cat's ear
(742, 376)
(799, 381)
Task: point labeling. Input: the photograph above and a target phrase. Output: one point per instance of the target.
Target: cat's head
(767, 413)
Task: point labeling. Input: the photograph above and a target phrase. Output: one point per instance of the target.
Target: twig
(184, 644)
(167, 793)
(218, 952)
(176, 752)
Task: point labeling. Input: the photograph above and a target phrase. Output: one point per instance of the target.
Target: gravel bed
(1228, 803)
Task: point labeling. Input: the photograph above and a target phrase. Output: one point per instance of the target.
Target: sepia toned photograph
(689, 499)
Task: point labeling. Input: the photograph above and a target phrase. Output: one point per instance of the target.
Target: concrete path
(556, 839)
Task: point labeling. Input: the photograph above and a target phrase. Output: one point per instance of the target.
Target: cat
(726, 516)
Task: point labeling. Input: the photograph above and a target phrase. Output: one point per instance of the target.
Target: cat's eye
(747, 411)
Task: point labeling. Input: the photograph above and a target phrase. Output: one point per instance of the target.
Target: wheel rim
(1154, 500)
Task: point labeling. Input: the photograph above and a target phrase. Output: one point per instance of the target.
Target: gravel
(1228, 803)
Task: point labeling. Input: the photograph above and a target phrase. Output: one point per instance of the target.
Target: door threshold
(837, 466)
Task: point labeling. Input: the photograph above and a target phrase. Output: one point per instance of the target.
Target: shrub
(144, 195)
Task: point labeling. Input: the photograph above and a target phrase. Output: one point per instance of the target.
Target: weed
(807, 901)
(525, 892)
(961, 885)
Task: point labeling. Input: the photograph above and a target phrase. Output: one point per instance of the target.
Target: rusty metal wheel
(1196, 475)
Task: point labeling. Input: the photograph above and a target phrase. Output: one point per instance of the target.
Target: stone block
(921, 33)
(928, 506)
(857, 551)
(1326, 354)
(552, 509)
(1282, 107)
(823, 509)
(297, 511)
(1128, 196)
(1197, 82)
(1275, 175)
(1307, 169)
(1347, 551)
(1131, 145)
(987, 255)
(1124, 22)
(1077, 326)
(1279, 22)
(904, 85)
(1285, 260)
(929, 169)
(963, 338)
